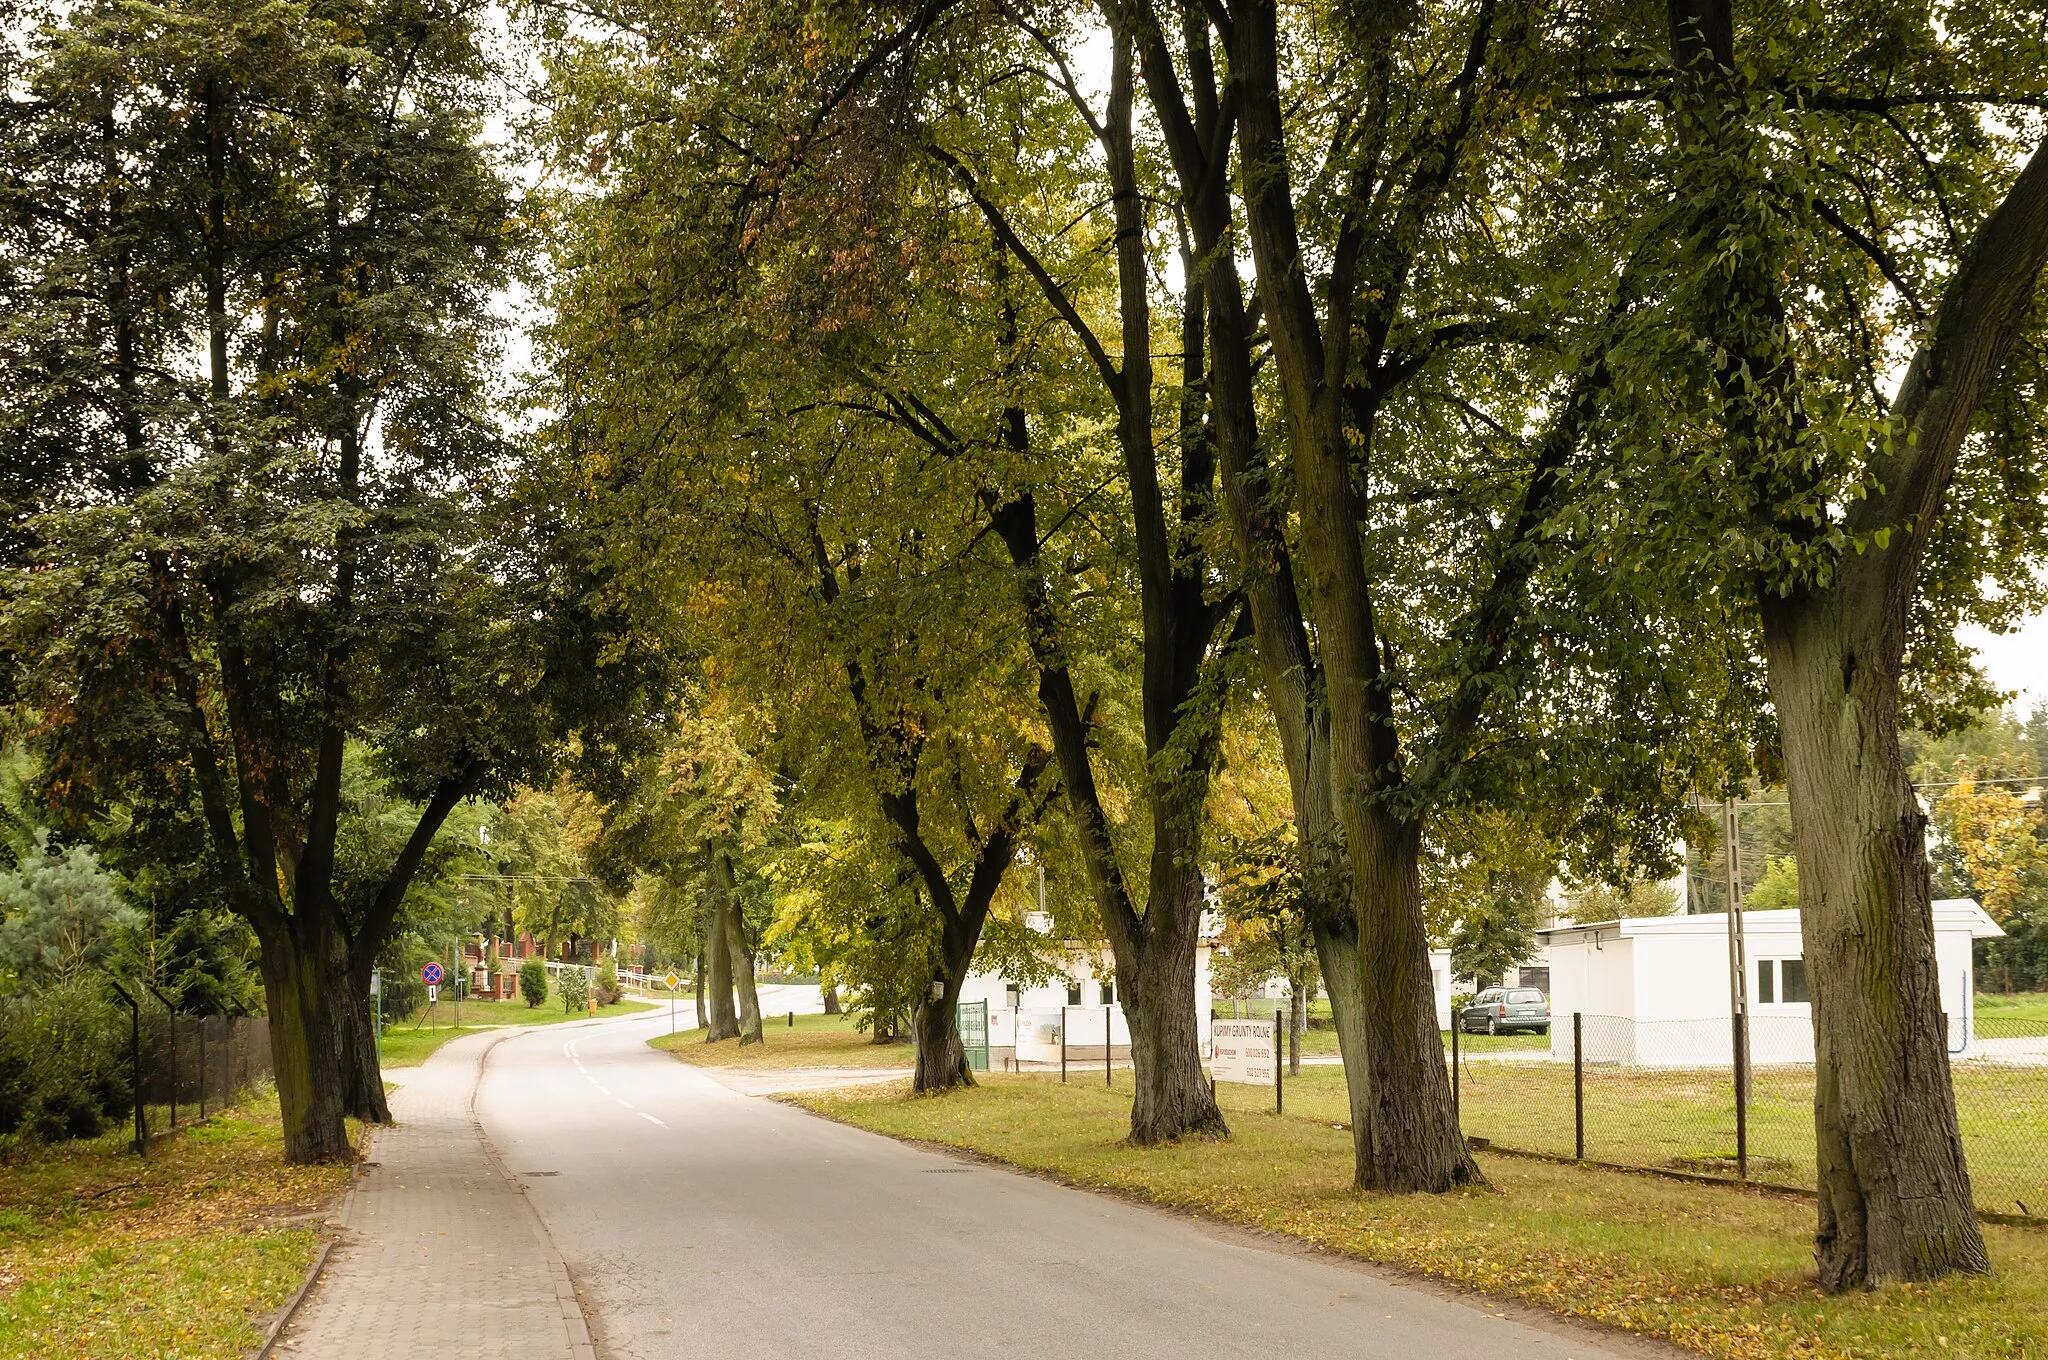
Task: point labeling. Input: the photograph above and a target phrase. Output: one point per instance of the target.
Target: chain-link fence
(184, 1068)
(1663, 1095)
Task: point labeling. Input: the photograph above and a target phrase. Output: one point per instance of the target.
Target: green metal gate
(974, 1033)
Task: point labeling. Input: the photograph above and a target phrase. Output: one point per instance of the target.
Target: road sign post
(673, 983)
(431, 975)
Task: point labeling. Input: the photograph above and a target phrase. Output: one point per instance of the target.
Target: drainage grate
(540, 1173)
(947, 1170)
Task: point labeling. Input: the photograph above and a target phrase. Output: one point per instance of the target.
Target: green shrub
(63, 1061)
(533, 982)
(574, 987)
(607, 981)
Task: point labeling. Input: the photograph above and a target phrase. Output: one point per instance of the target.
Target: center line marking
(651, 1119)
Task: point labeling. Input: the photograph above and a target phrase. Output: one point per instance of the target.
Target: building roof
(1950, 913)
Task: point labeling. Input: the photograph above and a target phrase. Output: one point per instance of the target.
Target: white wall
(1041, 1006)
(1669, 975)
(1440, 981)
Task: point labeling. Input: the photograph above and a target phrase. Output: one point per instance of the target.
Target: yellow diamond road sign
(672, 980)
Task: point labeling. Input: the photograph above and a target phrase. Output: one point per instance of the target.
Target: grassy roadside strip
(1722, 1271)
(408, 1046)
(179, 1255)
(814, 1041)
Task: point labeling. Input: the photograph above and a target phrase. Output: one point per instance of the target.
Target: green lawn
(407, 1044)
(1685, 1120)
(2021, 1011)
(180, 1255)
(1719, 1270)
(814, 1041)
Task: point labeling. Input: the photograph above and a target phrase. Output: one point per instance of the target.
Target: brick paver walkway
(440, 1253)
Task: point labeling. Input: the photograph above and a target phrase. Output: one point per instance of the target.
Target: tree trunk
(307, 1068)
(1895, 1201)
(941, 1057)
(1417, 1144)
(702, 1023)
(1344, 980)
(724, 1018)
(1297, 1020)
(1173, 1097)
(740, 957)
(830, 995)
(356, 1040)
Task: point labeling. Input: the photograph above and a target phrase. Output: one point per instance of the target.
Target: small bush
(63, 1062)
(574, 987)
(533, 982)
(607, 981)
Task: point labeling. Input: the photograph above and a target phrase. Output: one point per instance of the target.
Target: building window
(1108, 992)
(1073, 993)
(1013, 995)
(1781, 982)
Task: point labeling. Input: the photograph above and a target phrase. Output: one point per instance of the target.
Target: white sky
(2015, 661)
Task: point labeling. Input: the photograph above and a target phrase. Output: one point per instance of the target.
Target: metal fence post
(134, 1061)
(1741, 1096)
(202, 1068)
(1063, 1045)
(1579, 1085)
(1455, 1027)
(1279, 1107)
(1106, 1036)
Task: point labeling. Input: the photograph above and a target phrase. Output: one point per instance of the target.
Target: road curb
(574, 1324)
(291, 1307)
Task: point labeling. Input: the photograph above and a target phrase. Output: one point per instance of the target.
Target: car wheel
(1492, 1026)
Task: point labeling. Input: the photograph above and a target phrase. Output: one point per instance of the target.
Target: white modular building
(1654, 991)
(1077, 1009)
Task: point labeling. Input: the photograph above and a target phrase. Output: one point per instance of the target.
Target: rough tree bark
(829, 994)
(702, 1023)
(307, 1067)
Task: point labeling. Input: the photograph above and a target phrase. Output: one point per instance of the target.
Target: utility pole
(1738, 981)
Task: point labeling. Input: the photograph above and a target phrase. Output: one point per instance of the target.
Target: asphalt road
(698, 1221)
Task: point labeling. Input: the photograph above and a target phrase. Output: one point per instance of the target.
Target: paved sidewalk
(440, 1253)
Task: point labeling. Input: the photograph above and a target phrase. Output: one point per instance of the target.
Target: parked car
(1505, 1010)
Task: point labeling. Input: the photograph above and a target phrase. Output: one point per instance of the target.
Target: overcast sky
(2016, 661)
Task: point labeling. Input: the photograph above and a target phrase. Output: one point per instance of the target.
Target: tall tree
(284, 518)
(1436, 375)
(1850, 211)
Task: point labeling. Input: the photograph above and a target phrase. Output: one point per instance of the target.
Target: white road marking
(651, 1119)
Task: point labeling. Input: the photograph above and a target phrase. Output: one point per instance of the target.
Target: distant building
(1654, 990)
(1027, 1024)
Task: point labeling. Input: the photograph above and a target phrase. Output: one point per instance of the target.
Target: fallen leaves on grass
(175, 1256)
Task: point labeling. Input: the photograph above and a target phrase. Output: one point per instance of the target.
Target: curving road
(698, 1221)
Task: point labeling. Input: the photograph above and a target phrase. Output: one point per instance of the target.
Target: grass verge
(179, 1255)
(409, 1044)
(814, 1041)
(1725, 1272)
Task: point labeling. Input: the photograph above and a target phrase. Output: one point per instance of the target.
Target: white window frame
(1777, 1004)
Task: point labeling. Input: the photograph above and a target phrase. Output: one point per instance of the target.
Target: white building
(1028, 1024)
(1654, 991)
